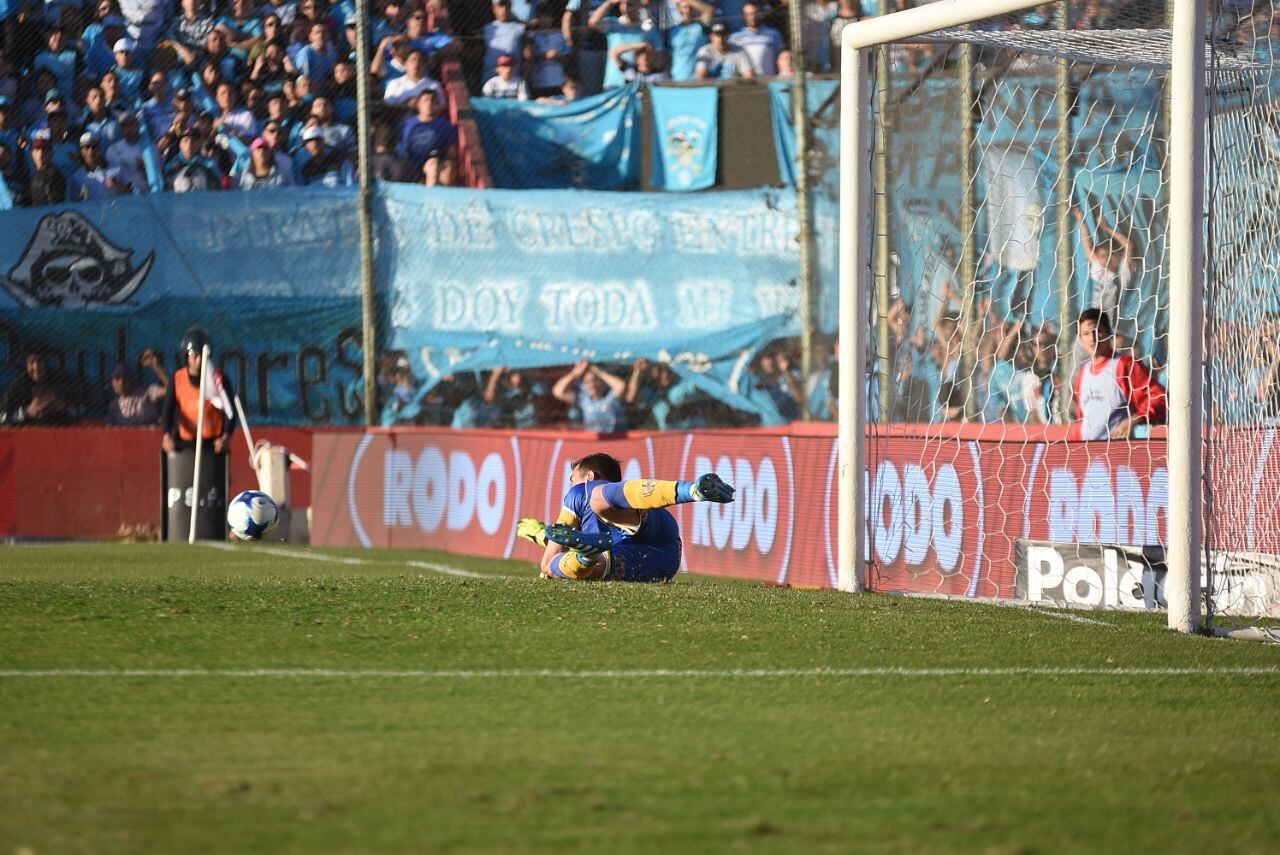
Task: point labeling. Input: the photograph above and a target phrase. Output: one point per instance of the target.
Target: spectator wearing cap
(184, 117)
(211, 145)
(263, 172)
(97, 47)
(274, 134)
(187, 170)
(159, 109)
(233, 118)
(60, 58)
(48, 185)
(31, 110)
(506, 83)
(629, 26)
(503, 36)
(720, 60)
(761, 43)
(95, 179)
(98, 120)
(686, 38)
(337, 136)
(128, 72)
(317, 164)
(131, 405)
(66, 151)
(125, 154)
(192, 27)
(317, 57)
(429, 143)
(52, 102)
(412, 83)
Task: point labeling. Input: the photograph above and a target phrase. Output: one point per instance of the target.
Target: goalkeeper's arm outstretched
(615, 529)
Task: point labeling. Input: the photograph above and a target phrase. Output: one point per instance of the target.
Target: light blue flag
(152, 163)
(592, 143)
(685, 136)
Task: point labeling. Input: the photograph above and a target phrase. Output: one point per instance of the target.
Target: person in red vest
(180, 413)
(1114, 393)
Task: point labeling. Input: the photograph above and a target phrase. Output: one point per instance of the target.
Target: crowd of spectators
(99, 99)
(1014, 378)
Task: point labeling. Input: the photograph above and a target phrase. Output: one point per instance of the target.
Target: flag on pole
(684, 136)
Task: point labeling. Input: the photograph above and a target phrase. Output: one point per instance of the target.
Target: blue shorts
(638, 562)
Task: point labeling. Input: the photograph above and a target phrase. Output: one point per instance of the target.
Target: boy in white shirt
(506, 84)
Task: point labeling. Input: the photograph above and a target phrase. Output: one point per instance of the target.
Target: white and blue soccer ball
(252, 515)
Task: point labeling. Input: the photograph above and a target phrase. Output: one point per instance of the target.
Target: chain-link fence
(239, 97)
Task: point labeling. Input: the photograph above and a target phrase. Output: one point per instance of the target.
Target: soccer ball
(252, 515)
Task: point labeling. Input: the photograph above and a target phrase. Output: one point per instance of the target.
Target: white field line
(455, 571)
(1068, 616)
(287, 553)
(554, 674)
(339, 559)
(1035, 608)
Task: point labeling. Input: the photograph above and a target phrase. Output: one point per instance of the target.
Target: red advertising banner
(944, 511)
(8, 488)
(97, 482)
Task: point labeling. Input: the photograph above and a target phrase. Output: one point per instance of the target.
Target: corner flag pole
(195, 477)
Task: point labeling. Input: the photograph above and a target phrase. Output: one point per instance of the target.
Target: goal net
(1018, 346)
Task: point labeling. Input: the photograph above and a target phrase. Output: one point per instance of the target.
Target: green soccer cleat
(585, 543)
(534, 531)
(709, 488)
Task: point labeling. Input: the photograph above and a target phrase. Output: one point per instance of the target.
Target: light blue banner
(485, 278)
(274, 277)
(590, 143)
(491, 277)
(685, 136)
(572, 267)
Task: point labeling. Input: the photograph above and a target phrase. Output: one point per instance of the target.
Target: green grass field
(502, 713)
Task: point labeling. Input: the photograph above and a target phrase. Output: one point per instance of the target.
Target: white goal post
(1186, 278)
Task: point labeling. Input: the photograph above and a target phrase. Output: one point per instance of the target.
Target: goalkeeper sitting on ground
(615, 529)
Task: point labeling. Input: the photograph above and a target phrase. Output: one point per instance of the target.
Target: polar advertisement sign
(1096, 575)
